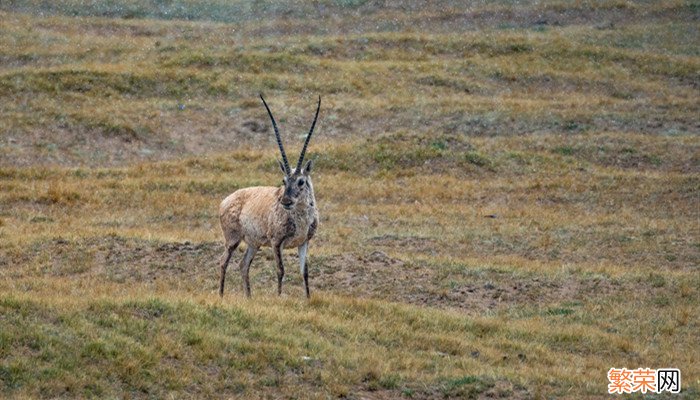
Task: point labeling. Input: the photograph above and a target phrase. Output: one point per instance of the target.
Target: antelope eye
(301, 183)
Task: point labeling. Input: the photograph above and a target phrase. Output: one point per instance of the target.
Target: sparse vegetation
(509, 195)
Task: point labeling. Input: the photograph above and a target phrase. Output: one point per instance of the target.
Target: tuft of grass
(565, 150)
(468, 386)
(559, 311)
(478, 159)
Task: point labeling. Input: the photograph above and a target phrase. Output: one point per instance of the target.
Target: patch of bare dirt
(375, 274)
(103, 28)
(378, 275)
(483, 389)
(92, 147)
(123, 260)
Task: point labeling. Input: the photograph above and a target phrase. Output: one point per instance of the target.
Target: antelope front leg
(302, 266)
(245, 268)
(280, 267)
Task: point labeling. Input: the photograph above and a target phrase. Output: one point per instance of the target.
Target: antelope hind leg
(245, 268)
(224, 264)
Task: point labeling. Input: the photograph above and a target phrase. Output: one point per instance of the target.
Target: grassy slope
(579, 137)
(72, 86)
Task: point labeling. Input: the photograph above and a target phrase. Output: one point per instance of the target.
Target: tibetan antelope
(279, 217)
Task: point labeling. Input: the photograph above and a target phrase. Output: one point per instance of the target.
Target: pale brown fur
(256, 216)
(279, 217)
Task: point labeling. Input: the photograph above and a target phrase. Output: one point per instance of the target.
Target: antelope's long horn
(308, 137)
(279, 140)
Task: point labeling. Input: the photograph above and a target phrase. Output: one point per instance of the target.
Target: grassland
(510, 197)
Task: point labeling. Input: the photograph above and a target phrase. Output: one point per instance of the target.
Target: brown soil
(195, 267)
(378, 275)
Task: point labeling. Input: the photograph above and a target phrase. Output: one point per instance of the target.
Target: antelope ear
(307, 167)
(282, 167)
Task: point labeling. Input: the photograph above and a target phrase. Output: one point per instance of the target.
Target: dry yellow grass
(506, 212)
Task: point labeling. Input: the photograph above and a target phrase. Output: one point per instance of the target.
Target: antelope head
(298, 188)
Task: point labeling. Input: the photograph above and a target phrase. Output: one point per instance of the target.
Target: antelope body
(279, 217)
